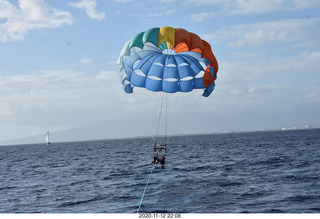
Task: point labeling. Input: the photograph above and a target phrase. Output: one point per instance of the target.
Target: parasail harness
(159, 150)
(160, 147)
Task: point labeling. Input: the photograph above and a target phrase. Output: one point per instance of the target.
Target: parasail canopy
(167, 59)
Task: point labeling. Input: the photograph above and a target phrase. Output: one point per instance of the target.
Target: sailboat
(48, 138)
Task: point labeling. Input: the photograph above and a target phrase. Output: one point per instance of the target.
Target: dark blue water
(262, 172)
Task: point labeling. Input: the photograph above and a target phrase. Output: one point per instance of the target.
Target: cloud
(90, 7)
(86, 61)
(270, 70)
(286, 82)
(123, 1)
(158, 14)
(66, 89)
(291, 31)
(259, 6)
(29, 15)
(202, 16)
(252, 89)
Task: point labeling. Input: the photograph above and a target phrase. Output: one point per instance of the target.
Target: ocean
(252, 172)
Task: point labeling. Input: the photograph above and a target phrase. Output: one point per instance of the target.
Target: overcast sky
(58, 63)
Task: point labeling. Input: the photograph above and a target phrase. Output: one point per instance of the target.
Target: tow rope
(145, 189)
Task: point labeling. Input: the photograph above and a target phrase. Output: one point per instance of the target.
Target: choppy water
(264, 172)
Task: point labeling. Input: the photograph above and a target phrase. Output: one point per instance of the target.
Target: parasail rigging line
(145, 188)
(159, 118)
(187, 114)
(161, 106)
(166, 126)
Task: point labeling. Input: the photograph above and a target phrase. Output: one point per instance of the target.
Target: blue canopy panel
(168, 73)
(127, 64)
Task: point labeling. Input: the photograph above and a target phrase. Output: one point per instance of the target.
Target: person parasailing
(155, 158)
(159, 150)
(162, 159)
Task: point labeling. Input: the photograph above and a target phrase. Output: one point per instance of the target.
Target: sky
(58, 65)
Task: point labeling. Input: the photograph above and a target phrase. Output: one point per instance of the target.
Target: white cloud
(270, 70)
(159, 14)
(57, 89)
(123, 1)
(312, 94)
(259, 6)
(287, 83)
(266, 6)
(86, 61)
(294, 31)
(90, 7)
(29, 15)
(202, 16)
(252, 89)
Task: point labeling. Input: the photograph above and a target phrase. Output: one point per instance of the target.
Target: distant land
(195, 124)
(97, 131)
(103, 131)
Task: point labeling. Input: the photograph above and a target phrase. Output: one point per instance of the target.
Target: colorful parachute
(168, 59)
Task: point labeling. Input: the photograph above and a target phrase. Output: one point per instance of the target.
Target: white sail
(48, 138)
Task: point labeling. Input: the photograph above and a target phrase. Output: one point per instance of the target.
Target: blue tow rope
(145, 189)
